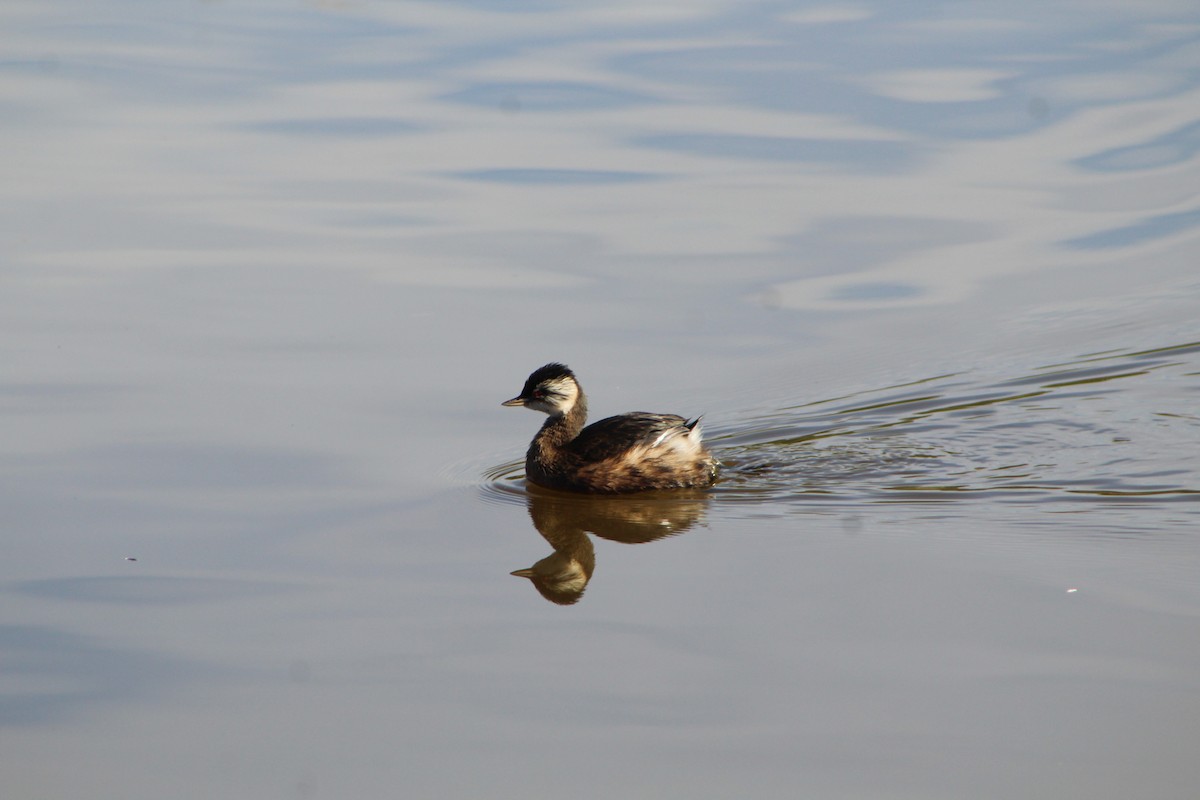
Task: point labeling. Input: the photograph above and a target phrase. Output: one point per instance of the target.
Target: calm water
(929, 272)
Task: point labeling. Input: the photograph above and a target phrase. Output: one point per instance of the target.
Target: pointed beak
(523, 573)
(516, 401)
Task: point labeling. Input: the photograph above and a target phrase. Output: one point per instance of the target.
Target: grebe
(627, 453)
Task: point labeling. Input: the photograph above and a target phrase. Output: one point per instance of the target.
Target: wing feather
(612, 436)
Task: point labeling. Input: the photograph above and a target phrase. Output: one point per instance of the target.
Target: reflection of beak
(516, 401)
(523, 573)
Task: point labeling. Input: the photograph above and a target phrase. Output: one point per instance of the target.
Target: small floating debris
(1069, 591)
(130, 558)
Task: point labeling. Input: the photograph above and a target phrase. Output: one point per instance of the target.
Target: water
(928, 272)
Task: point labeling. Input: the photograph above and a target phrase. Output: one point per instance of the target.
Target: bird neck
(559, 430)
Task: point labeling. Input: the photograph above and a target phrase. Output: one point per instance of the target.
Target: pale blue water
(929, 272)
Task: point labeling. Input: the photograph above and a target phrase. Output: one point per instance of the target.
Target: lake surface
(931, 274)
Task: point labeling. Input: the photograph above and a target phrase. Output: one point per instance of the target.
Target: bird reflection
(565, 520)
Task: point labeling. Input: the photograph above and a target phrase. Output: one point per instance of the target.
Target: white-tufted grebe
(626, 453)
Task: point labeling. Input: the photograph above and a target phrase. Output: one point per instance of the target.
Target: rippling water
(1106, 426)
(1064, 430)
(928, 271)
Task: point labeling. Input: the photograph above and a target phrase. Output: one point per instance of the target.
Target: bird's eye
(538, 394)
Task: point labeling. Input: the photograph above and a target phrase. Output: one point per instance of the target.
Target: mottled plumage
(626, 453)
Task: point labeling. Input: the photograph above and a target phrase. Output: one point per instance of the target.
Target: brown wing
(612, 436)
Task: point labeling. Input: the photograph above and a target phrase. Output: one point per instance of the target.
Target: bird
(630, 452)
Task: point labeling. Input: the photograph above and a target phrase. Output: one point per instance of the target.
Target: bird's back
(611, 437)
(636, 451)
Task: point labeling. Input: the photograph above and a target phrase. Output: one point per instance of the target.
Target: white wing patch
(679, 438)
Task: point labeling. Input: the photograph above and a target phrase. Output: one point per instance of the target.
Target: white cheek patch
(560, 395)
(565, 387)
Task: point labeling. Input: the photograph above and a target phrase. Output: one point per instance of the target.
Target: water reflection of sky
(50, 675)
(680, 98)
